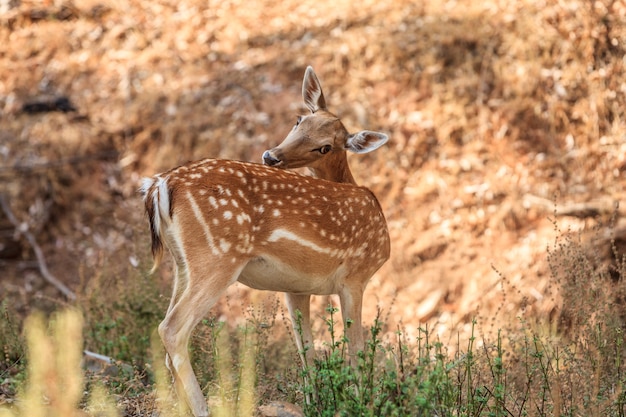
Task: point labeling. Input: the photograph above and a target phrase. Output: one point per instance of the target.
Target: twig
(43, 268)
(98, 357)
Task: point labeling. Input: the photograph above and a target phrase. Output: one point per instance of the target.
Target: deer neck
(335, 170)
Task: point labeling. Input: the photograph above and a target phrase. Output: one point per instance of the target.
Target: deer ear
(365, 141)
(312, 91)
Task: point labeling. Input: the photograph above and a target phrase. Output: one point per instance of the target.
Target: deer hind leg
(180, 284)
(301, 325)
(175, 330)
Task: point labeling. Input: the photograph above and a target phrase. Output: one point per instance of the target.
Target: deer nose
(268, 159)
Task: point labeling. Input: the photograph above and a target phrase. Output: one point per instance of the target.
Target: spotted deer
(270, 229)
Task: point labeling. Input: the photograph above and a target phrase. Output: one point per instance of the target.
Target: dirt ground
(506, 121)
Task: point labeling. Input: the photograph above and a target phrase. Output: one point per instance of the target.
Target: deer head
(319, 140)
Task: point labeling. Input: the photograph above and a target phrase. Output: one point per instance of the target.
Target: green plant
(383, 380)
(120, 315)
(13, 360)
(575, 368)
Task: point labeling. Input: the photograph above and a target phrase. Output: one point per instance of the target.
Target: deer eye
(298, 120)
(325, 149)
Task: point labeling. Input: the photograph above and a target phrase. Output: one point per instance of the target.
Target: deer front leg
(351, 300)
(299, 310)
(301, 326)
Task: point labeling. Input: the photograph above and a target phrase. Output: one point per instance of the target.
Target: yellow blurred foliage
(55, 383)
(55, 380)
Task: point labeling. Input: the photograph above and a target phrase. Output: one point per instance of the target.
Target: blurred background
(506, 122)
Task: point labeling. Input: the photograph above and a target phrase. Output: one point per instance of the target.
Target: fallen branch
(43, 268)
(581, 210)
(32, 168)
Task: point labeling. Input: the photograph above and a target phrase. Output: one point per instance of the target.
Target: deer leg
(351, 300)
(301, 325)
(299, 310)
(192, 305)
(175, 331)
(180, 284)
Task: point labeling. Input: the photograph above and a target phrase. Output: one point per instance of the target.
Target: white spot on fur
(228, 215)
(279, 234)
(224, 246)
(243, 217)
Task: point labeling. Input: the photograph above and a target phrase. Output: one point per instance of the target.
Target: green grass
(572, 366)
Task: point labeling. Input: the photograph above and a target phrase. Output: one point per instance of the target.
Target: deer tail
(157, 199)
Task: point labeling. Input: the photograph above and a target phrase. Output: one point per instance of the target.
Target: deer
(269, 228)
